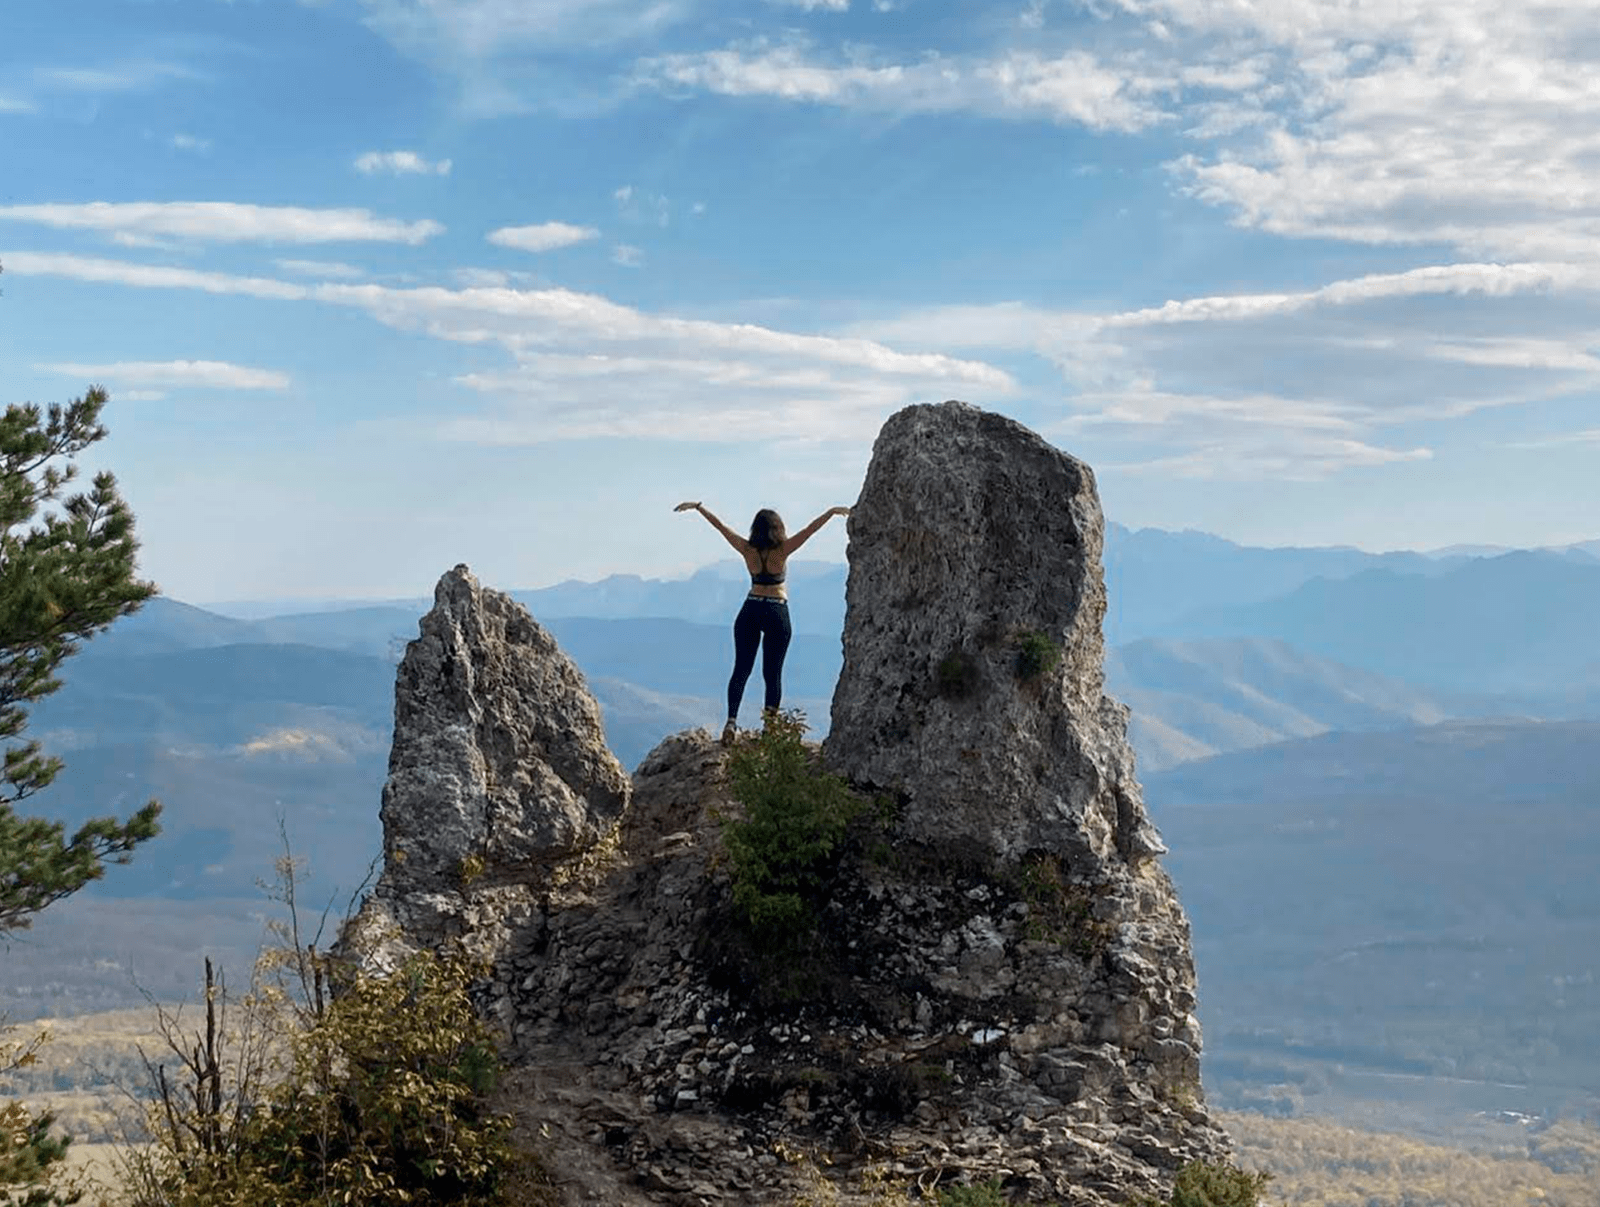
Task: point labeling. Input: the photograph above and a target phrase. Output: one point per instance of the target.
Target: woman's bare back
(776, 563)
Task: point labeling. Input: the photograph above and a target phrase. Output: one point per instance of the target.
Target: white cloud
(15, 104)
(490, 278)
(400, 163)
(321, 268)
(209, 374)
(136, 75)
(1566, 439)
(1199, 386)
(1070, 87)
(627, 255)
(546, 236)
(642, 205)
(811, 6)
(148, 276)
(134, 239)
(1494, 280)
(1019, 325)
(189, 142)
(584, 365)
(483, 29)
(1472, 123)
(1305, 460)
(224, 222)
(513, 56)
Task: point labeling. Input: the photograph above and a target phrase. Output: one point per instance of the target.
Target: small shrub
(1213, 1184)
(337, 1086)
(1059, 911)
(781, 852)
(1037, 654)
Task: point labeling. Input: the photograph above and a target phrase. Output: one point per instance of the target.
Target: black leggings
(759, 618)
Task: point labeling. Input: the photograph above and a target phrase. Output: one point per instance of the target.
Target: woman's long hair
(766, 530)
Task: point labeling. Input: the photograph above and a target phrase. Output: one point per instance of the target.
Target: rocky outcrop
(499, 773)
(1000, 982)
(973, 669)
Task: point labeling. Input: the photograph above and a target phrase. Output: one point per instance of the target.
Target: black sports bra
(766, 578)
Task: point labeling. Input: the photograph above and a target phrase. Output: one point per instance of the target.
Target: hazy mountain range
(1310, 730)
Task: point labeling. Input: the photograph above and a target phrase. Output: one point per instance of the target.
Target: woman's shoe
(729, 731)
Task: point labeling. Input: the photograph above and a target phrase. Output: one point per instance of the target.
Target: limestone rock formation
(973, 659)
(1000, 983)
(499, 768)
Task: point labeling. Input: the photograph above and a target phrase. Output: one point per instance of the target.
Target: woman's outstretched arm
(733, 538)
(806, 533)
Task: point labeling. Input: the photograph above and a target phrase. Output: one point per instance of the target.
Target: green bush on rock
(795, 816)
(1037, 654)
(1213, 1184)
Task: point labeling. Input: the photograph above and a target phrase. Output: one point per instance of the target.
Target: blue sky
(379, 286)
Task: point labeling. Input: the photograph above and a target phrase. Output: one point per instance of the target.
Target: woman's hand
(686, 507)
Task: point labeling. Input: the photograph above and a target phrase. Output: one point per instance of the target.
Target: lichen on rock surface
(999, 984)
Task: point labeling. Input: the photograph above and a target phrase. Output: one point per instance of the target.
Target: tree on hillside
(63, 577)
(66, 573)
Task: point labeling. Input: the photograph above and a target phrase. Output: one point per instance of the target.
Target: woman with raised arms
(764, 619)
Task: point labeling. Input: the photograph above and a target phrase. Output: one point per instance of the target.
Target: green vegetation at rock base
(795, 814)
(326, 1083)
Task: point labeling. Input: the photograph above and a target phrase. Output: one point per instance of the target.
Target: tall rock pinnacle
(498, 749)
(973, 658)
(996, 983)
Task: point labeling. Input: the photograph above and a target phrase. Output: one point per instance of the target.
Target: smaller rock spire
(499, 762)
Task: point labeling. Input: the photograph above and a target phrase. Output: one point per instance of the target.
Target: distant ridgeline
(986, 973)
(1388, 861)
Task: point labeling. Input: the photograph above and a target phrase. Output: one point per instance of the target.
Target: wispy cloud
(329, 269)
(642, 205)
(1303, 460)
(400, 163)
(1201, 378)
(135, 75)
(225, 222)
(490, 278)
(577, 360)
(210, 374)
(544, 236)
(627, 255)
(482, 29)
(1073, 87)
(189, 142)
(149, 276)
(1471, 123)
(1564, 440)
(512, 56)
